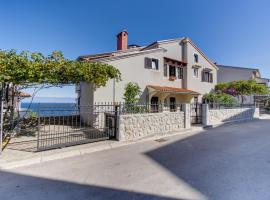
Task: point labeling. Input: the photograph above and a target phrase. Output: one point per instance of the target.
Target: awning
(165, 89)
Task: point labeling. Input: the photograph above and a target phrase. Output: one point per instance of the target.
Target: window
(155, 64)
(196, 58)
(196, 72)
(151, 63)
(207, 77)
(165, 70)
(172, 71)
(180, 72)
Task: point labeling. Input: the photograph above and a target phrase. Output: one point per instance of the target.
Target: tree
(25, 70)
(242, 88)
(132, 92)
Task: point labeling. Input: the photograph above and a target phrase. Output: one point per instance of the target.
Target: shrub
(132, 93)
(220, 98)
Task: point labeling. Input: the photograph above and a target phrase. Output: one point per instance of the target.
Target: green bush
(220, 98)
(132, 93)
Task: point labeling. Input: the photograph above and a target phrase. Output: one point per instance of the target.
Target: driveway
(225, 163)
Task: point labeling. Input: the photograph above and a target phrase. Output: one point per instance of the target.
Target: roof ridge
(239, 67)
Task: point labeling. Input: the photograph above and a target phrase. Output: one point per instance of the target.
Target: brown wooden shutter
(203, 76)
(211, 77)
(157, 64)
(165, 70)
(148, 63)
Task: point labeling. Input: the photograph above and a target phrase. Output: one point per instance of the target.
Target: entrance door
(154, 104)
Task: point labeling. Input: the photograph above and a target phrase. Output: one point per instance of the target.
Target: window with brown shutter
(148, 63)
(207, 77)
(211, 77)
(151, 63)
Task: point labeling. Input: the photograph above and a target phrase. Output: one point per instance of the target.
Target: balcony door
(172, 71)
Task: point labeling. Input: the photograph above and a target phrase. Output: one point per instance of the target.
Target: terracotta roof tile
(171, 89)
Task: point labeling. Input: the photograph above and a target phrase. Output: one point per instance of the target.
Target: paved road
(225, 163)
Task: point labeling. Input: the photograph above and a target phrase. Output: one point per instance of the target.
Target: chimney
(122, 40)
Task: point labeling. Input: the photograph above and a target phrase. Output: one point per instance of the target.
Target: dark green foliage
(220, 98)
(33, 68)
(132, 93)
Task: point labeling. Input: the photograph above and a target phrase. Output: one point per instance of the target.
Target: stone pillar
(256, 113)
(205, 115)
(186, 109)
(120, 134)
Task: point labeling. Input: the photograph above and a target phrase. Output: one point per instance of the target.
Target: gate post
(205, 114)
(187, 115)
(115, 119)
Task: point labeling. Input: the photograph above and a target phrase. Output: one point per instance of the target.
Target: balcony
(172, 78)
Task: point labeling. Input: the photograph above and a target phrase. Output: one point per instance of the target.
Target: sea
(50, 109)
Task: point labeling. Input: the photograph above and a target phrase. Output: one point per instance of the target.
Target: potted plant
(172, 78)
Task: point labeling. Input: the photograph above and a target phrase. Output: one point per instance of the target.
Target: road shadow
(24, 187)
(227, 162)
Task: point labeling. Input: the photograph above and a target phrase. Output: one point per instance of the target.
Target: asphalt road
(225, 163)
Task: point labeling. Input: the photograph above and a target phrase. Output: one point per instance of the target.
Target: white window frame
(195, 72)
(178, 69)
(154, 64)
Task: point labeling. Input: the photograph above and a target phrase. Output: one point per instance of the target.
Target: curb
(57, 154)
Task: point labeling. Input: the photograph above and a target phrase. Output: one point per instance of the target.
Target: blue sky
(228, 32)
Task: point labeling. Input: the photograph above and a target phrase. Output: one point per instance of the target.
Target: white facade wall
(195, 83)
(133, 69)
(229, 74)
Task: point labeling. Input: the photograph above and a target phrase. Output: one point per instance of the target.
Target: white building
(231, 73)
(167, 71)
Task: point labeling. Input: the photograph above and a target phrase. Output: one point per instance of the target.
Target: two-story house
(167, 71)
(232, 73)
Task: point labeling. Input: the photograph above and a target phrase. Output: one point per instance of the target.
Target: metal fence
(218, 106)
(50, 127)
(196, 113)
(60, 127)
(137, 108)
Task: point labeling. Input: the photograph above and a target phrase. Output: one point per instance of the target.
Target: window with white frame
(155, 64)
(151, 63)
(207, 76)
(196, 72)
(172, 71)
(180, 73)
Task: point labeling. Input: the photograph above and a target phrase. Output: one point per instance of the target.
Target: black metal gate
(196, 113)
(61, 127)
(111, 124)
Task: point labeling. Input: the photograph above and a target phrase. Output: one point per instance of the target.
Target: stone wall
(219, 116)
(133, 126)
